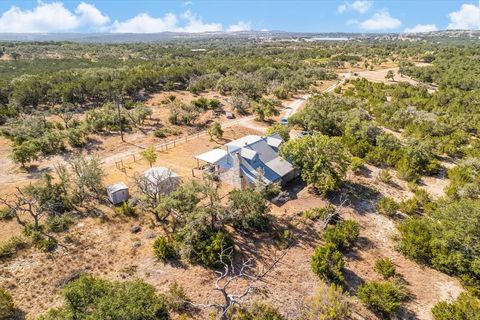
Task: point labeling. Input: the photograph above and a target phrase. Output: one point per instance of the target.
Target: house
(248, 159)
(117, 193)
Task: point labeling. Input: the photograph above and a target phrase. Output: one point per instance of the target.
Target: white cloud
(468, 17)
(195, 24)
(51, 17)
(240, 26)
(422, 28)
(360, 6)
(89, 15)
(187, 3)
(380, 21)
(144, 23)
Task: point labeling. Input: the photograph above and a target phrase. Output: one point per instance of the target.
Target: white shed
(117, 193)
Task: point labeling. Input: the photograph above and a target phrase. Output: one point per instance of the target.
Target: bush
(60, 223)
(163, 249)
(415, 239)
(385, 267)
(465, 307)
(410, 206)
(356, 164)
(11, 246)
(259, 311)
(282, 130)
(384, 176)
(322, 213)
(208, 248)
(176, 298)
(387, 206)
(384, 297)
(329, 303)
(92, 298)
(343, 235)
(7, 307)
(327, 262)
(126, 209)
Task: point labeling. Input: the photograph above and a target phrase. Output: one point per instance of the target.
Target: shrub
(415, 240)
(356, 164)
(343, 235)
(384, 176)
(465, 307)
(327, 262)
(126, 209)
(384, 297)
(7, 307)
(410, 206)
(258, 311)
(92, 298)
(282, 130)
(322, 213)
(385, 267)
(387, 206)
(163, 249)
(176, 298)
(60, 223)
(208, 248)
(329, 303)
(11, 246)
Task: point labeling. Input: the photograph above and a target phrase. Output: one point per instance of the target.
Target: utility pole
(120, 124)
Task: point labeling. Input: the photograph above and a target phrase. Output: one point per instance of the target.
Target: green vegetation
(327, 263)
(384, 297)
(329, 303)
(447, 240)
(163, 249)
(322, 161)
(7, 307)
(343, 235)
(387, 206)
(92, 298)
(465, 307)
(150, 155)
(385, 267)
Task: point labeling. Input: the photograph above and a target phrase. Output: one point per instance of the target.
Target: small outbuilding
(117, 193)
(161, 180)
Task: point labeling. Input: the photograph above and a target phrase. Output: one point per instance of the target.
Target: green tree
(266, 108)
(282, 130)
(163, 249)
(327, 262)
(248, 209)
(322, 161)
(215, 130)
(150, 155)
(24, 153)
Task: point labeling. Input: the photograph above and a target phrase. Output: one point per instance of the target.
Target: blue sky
(235, 15)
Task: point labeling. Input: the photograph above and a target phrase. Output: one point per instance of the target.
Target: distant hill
(469, 35)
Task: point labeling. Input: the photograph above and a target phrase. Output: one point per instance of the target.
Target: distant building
(248, 159)
(117, 193)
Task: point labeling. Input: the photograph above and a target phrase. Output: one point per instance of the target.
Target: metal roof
(274, 141)
(213, 156)
(116, 187)
(280, 166)
(244, 141)
(248, 153)
(162, 173)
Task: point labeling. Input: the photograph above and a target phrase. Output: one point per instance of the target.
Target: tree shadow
(362, 198)
(352, 281)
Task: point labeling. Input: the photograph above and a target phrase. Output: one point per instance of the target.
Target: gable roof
(244, 141)
(280, 166)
